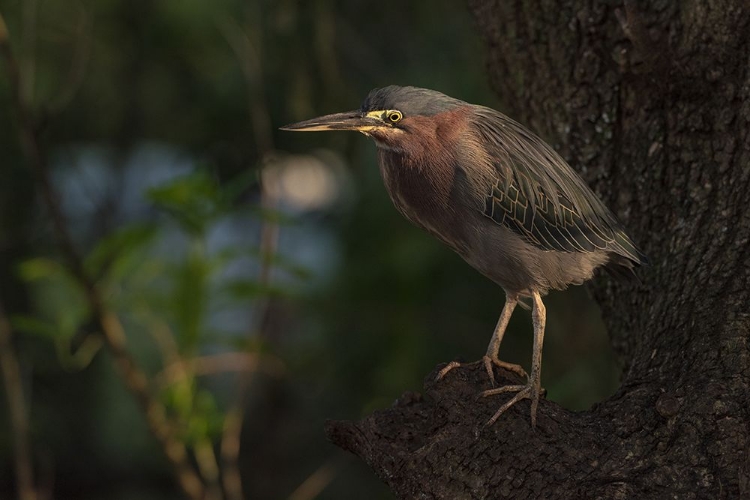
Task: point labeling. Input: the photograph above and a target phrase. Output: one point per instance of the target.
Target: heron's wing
(540, 223)
(537, 195)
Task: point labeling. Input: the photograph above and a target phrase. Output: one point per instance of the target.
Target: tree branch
(19, 419)
(239, 362)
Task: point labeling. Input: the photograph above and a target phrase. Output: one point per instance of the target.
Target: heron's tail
(622, 268)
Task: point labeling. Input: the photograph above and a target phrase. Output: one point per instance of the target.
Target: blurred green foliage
(360, 305)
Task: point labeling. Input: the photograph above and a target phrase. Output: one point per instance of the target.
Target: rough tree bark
(652, 106)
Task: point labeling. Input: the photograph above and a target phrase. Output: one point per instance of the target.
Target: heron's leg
(494, 347)
(539, 319)
(533, 388)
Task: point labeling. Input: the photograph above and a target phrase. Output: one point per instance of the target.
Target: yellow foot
(529, 391)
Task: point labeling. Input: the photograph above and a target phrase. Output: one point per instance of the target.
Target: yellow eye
(394, 116)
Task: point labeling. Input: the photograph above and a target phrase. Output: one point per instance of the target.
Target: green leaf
(274, 216)
(229, 254)
(205, 420)
(137, 269)
(197, 189)
(83, 355)
(206, 405)
(123, 241)
(34, 326)
(71, 361)
(196, 410)
(190, 298)
(233, 189)
(193, 200)
(40, 268)
(60, 298)
(243, 289)
(282, 262)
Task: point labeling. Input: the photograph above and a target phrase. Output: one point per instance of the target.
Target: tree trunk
(651, 104)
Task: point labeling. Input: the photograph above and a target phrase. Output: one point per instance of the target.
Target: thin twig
(27, 63)
(19, 419)
(78, 63)
(249, 54)
(318, 480)
(205, 457)
(218, 363)
(110, 325)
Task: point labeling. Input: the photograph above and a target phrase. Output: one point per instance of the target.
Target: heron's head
(393, 116)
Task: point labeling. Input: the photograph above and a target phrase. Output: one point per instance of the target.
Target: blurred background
(263, 279)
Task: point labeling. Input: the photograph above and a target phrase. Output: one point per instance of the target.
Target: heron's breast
(423, 196)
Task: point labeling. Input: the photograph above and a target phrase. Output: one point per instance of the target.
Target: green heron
(497, 195)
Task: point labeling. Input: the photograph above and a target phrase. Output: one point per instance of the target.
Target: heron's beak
(351, 120)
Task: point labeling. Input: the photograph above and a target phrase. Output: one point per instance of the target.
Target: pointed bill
(351, 120)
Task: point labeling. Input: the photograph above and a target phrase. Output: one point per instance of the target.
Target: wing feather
(538, 196)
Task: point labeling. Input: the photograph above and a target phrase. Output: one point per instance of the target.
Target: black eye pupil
(395, 117)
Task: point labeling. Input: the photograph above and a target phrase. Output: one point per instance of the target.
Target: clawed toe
(531, 390)
(489, 361)
(488, 366)
(528, 391)
(447, 368)
(501, 390)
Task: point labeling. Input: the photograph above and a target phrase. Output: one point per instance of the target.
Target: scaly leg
(494, 347)
(533, 388)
